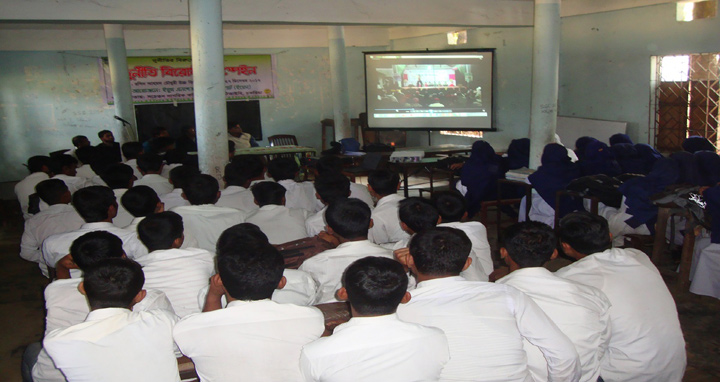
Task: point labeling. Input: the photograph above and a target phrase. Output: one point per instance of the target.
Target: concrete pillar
(206, 41)
(546, 58)
(339, 80)
(117, 58)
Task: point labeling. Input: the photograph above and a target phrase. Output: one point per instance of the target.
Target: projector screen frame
(493, 81)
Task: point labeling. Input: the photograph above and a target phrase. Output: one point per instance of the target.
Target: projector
(407, 156)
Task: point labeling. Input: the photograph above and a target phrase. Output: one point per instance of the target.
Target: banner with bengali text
(170, 79)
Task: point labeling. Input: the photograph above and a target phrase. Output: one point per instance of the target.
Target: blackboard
(175, 116)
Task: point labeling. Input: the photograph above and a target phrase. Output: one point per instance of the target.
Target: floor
(22, 312)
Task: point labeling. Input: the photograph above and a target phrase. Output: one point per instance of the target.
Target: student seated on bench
(646, 342)
(329, 187)
(580, 311)
(179, 273)
(66, 306)
(253, 338)
(383, 185)
(97, 206)
(150, 166)
(120, 178)
(375, 345)
(141, 202)
(278, 222)
(484, 322)
(203, 220)
(348, 220)
(299, 194)
(238, 176)
(115, 343)
(58, 217)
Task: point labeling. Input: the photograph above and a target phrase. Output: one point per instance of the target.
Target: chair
(283, 140)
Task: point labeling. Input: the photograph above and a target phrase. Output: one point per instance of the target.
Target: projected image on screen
(429, 90)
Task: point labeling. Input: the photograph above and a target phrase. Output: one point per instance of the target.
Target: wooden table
(430, 160)
(268, 152)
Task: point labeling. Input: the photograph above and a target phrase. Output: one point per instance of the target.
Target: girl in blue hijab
(637, 193)
(598, 159)
(697, 143)
(480, 174)
(648, 155)
(708, 167)
(556, 171)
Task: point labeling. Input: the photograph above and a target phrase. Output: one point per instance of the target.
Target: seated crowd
(149, 265)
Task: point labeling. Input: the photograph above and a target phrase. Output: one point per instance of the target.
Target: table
(267, 152)
(431, 158)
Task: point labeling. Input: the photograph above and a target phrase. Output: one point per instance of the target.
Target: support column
(206, 41)
(546, 58)
(339, 79)
(117, 58)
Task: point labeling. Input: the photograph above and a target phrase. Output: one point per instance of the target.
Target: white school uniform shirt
(116, 345)
(73, 183)
(300, 289)
(280, 223)
(357, 191)
(66, 307)
(316, 223)
(646, 342)
(480, 253)
(174, 199)
(380, 348)
(299, 195)
(26, 187)
(57, 246)
(485, 324)
(328, 266)
(123, 217)
(386, 222)
(205, 223)
(249, 340)
(157, 182)
(165, 172)
(85, 171)
(237, 197)
(58, 218)
(180, 274)
(706, 275)
(133, 164)
(580, 311)
(134, 223)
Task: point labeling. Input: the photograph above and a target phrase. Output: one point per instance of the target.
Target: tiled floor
(22, 313)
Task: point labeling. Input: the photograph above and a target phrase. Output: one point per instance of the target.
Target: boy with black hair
(64, 167)
(58, 218)
(131, 151)
(178, 176)
(66, 306)
(173, 158)
(108, 145)
(162, 145)
(483, 322)
(452, 207)
(240, 139)
(39, 167)
(383, 186)
(299, 194)
(87, 156)
(140, 202)
(238, 175)
(300, 288)
(120, 178)
(580, 311)
(179, 273)
(203, 220)
(329, 187)
(280, 223)
(253, 338)
(330, 164)
(359, 350)
(89, 351)
(348, 220)
(646, 341)
(150, 166)
(97, 206)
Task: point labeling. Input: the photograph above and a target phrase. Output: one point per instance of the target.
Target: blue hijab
(712, 197)
(620, 138)
(637, 192)
(555, 173)
(627, 156)
(648, 155)
(708, 167)
(518, 153)
(687, 163)
(697, 143)
(598, 159)
(480, 174)
(581, 144)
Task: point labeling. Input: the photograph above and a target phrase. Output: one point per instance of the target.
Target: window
(686, 99)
